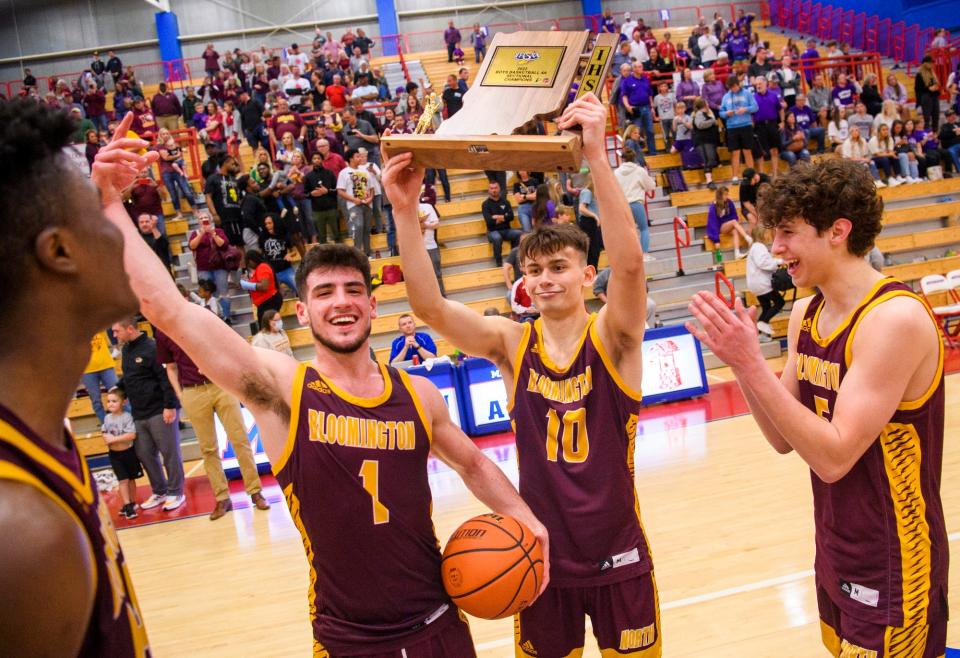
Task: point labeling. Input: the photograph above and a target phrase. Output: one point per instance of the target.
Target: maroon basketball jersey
(354, 473)
(881, 540)
(116, 626)
(575, 427)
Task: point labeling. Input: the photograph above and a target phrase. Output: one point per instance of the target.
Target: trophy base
(490, 152)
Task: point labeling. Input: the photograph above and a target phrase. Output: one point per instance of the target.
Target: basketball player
(861, 401)
(348, 440)
(64, 585)
(574, 385)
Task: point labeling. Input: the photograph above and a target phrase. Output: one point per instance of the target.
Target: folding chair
(945, 313)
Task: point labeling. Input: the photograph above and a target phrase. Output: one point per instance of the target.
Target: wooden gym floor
(728, 518)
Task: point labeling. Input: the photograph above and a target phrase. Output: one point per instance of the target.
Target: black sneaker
(130, 511)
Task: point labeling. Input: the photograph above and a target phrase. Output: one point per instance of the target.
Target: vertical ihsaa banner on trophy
(523, 66)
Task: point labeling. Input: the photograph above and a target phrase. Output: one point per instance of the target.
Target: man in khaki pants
(201, 398)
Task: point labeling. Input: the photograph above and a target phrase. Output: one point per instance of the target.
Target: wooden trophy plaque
(525, 77)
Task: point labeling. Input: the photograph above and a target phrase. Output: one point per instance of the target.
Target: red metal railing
(678, 242)
(719, 276)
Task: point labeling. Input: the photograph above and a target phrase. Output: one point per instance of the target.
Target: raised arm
(482, 477)
(617, 323)
(489, 337)
(261, 380)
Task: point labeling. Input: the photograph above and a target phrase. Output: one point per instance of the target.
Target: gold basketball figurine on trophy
(430, 108)
(526, 78)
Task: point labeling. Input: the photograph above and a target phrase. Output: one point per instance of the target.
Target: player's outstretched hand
(401, 179)
(730, 334)
(119, 163)
(591, 115)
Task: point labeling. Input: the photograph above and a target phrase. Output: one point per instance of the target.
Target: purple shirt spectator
(739, 47)
(688, 88)
(713, 93)
(451, 36)
(843, 96)
(769, 106)
(805, 117)
(636, 90)
(809, 73)
(165, 105)
(715, 221)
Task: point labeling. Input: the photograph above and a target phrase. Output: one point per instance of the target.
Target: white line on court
(710, 596)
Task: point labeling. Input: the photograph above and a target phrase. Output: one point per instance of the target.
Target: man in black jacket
(321, 186)
(153, 405)
(949, 137)
(251, 120)
(498, 214)
(152, 236)
(114, 66)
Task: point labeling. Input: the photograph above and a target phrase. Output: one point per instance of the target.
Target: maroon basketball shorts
(844, 635)
(453, 640)
(625, 617)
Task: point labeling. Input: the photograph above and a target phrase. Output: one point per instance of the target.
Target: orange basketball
(492, 566)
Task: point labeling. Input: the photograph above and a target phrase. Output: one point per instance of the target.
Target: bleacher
(920, 236)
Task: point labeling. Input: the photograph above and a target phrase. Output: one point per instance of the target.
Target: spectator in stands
(895, 90)
(201, 399)
(271, 335)
(663, 105)
(635, 183)
(251, 121)
(252, 211)
(810, 53)
(261, 283)
(708, 44)
(789, 81)
(95, 106)
(153, 237)
(622, 56)
(320, 186)
(949, 137)
(357, 190)
(188, 107)
(819, 99)
(856, 148)
(636, 99)
(760, 268)
(888, 115)
(275, 243)
(206, 245)
(706, 138)
(524, 194)
(359, 133)
(861, 120)
(544, 207)
(153, 405)
(926, 89)
(600, 284)
(766, 123)
(211, 60)
(638, 49)
(91, 146)
(114, 67)
(222, 192)
(682, 125)
(451, 37)
(588, 219)
(166, 108)
(633, 140)
(429, 223)
(174, 177)
(478, 39)
(793, 142)
(722, 218)
(452, 96)
(909, 153)
(297, 88)
(807, 121)
(712, 91)
(210, 125)
(497, 214)
(929, 144)
(206, 296)
(687, 90)
(332, 161)
(838, 129)
(411, 343)
(749, 190)
(738, 107)
(144, 123)
(760, 67)
(100, 371)
(870, 94)
(844, 93)
(145, 198)
(616, 92)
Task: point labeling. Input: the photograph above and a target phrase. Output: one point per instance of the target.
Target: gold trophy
(526, 77)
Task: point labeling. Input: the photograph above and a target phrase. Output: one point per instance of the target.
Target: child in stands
(119, 433)
(760, 268)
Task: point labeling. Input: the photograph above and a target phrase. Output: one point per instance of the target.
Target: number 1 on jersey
(370, 473)
(573, 437)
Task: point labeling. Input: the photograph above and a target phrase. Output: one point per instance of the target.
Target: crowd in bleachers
(725, 79)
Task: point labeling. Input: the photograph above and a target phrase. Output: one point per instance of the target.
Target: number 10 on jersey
(571, 433)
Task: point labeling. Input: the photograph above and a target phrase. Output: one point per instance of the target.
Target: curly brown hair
(820, 194)
(330, 256)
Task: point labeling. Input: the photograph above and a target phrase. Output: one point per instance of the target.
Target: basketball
(492, 566)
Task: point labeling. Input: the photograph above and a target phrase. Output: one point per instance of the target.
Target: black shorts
(125, 464)
(768, 135)
(740, 139)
